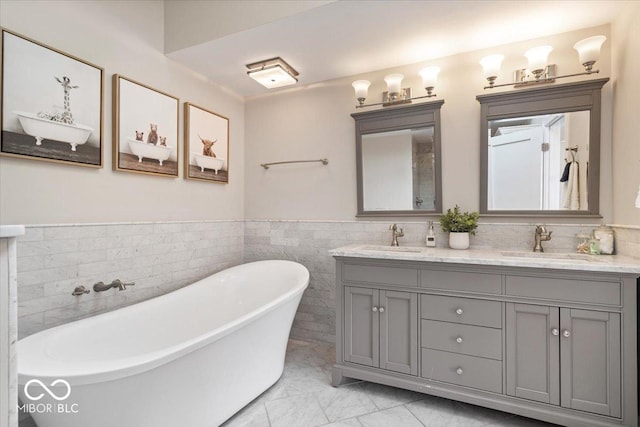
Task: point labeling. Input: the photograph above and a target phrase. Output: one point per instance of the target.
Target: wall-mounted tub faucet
(395, 234)
(119, 284)
(541, 236)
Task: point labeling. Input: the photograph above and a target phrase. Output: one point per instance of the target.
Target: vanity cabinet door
(361, 326)
(565, 357)
(381, 329)
(590, 361)
(533, 364)
(399, 331)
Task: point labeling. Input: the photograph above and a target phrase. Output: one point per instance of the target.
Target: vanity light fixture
(540, 71)
(395, 93)
(273, 73)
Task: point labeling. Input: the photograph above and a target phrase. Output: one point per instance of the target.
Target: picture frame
(206, 145)
(52, 104)
(145, 129)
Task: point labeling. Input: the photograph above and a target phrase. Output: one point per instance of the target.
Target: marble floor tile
(394, 417)
(252, 415)
(345, 402)
(438, 412)
(296, 411)
(387, 397)
(353, 422)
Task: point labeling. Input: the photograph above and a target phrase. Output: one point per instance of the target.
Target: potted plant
(459, 225)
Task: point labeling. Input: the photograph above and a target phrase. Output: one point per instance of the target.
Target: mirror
(398, 160)
(540, 152)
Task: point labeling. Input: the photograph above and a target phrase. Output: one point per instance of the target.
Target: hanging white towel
(571, 199)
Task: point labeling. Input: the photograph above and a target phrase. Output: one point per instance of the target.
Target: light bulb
(361, 88)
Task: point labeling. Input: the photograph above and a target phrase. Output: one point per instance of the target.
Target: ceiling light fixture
(272, 73)
(539, 70)
(395, 93)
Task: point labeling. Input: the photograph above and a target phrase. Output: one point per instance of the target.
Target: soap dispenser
(431, 236)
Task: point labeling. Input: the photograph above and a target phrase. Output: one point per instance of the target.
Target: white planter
(459, 240)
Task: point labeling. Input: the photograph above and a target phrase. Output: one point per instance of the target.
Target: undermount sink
(380, 248)
(552, 256)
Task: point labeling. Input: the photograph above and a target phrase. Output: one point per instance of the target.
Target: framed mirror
(398, 161)
(540, 151)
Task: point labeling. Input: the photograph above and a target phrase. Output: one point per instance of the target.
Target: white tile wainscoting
(158, 257)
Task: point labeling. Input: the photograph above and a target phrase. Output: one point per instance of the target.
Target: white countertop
(11, 230)
(561, 261)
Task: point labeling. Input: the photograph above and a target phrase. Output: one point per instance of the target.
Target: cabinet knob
(459, 371)
(374, 309)
(555, 332)
(459, 311)
(459, 340)
(381, 309)
(566, 333)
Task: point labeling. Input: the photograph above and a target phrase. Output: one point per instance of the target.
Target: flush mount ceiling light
(272, 73)
(540, 71)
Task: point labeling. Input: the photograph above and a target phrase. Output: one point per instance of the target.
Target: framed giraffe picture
(51, 104)
(206, 145)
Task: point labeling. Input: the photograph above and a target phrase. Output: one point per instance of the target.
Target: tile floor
(304, 397)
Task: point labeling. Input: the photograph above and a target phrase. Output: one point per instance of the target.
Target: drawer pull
(459, 311)
(374, 309)
(381, 309)
(459, 340)
(555, 332)
(459, 371)
(566, 333)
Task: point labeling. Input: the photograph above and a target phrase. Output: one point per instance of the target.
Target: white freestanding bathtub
(206, 162)
(192, 357)
(150, 151)
(47, 129)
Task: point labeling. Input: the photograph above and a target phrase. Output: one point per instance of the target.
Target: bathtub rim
(123, 367)
(28, 115)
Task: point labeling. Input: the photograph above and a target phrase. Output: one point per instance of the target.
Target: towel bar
(266, 165)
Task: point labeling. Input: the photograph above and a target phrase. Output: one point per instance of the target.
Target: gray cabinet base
(343, 374)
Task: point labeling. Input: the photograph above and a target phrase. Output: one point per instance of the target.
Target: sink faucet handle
(393, 227)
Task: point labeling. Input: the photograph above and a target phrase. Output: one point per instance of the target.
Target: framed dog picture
(206, 145)
(51, 104)
(145, 129)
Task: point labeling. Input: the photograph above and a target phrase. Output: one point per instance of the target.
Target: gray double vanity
(548, 338)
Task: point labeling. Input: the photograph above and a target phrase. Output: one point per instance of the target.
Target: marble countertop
(561, 261)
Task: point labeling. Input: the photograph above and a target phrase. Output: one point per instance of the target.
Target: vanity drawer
(461, 281)
(469, 371)
(597, 292)
(473, 340)
(468, 311)
(382, 275)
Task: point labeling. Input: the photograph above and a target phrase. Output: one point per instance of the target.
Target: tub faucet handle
(79, 291)
(121, 285)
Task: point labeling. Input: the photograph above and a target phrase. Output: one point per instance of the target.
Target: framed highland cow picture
(51, 104)
(145, 129)
(206, 145)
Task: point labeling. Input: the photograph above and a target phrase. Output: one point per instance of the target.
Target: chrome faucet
(541, 236)
(395, 234)
(119, 284)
